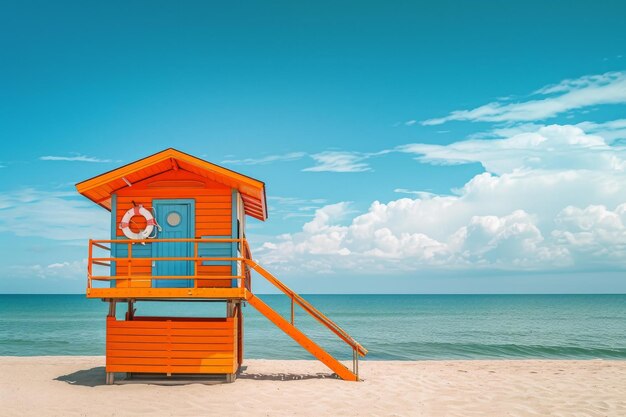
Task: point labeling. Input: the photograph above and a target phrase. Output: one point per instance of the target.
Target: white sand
(74, 386)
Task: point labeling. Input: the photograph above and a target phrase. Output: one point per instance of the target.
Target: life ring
(138, 211)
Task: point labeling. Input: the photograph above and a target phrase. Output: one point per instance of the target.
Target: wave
(426, 351)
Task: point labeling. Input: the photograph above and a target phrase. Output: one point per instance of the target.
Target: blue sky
(410, 147)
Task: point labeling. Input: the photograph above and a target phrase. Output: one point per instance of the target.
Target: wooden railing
(296, 299)
(129, 259)
(247, 254)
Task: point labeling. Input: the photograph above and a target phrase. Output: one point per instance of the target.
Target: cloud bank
(552, 199)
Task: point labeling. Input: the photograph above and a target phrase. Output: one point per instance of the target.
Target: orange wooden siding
(172, 345)
(213, 200)
(213, 217)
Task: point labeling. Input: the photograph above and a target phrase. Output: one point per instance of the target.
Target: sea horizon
(372, 293)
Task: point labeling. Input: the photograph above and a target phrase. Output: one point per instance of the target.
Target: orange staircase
(289, 326)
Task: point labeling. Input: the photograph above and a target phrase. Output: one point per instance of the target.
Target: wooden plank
(114, 360)
(209, 195)
(204, 229)
(207, 274)
(165, 339)
(220, 369)
(190, 347)
(222, 269)
(174, 325)
(218, 329)
(138, 293)
(213, 198)
(212, 206)
(207, 208)
(198, 354)
(184, 320)
(213, 218)
(206, 193)
(211, 283)
(138, 331)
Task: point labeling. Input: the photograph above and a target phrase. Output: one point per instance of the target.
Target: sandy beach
(74, 386)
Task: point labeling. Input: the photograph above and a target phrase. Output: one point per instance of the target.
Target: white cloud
(594, 232)
(65, 270)
(568, 95)
(52, 215)
(338, 161)
(327, 161)
(289, 207)
(507, 131)
(292, 156)
(511, 241)
(611, 131)
(421, 194)
(343, 161)
(550, 147)
(75, 158)
(407, 234)
(542, 205)
(586, 81)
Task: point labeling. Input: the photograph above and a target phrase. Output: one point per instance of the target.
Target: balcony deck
(168, 293)
(136, 284)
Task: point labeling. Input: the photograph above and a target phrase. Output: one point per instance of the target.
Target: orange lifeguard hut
(178, 234)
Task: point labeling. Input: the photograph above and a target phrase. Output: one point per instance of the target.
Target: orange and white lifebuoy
(138, 211)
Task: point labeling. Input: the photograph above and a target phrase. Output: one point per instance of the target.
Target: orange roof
(99, 189)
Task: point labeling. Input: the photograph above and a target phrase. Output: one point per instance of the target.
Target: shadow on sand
(93, 377)
(285, 377)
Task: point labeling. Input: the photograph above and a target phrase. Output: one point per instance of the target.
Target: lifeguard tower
(178, 234)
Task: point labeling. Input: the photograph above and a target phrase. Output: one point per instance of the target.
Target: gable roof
(100, 188)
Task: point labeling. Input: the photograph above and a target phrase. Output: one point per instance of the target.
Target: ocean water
(392, 327)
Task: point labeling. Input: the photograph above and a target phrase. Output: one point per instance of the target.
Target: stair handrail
(303, 303)
(246, 255)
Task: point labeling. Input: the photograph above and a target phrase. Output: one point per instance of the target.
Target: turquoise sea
(392, 327)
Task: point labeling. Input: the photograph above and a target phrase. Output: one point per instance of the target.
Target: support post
(111, 308)
(239, 334)
(130, 314)
(230, 308)
(110, 376)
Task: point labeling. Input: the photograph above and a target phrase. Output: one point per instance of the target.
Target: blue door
(176, 218)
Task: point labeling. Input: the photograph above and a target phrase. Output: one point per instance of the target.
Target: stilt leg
(230, 378)
(230, 308)
(239, 334)
(130, 314)
(110, 376)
